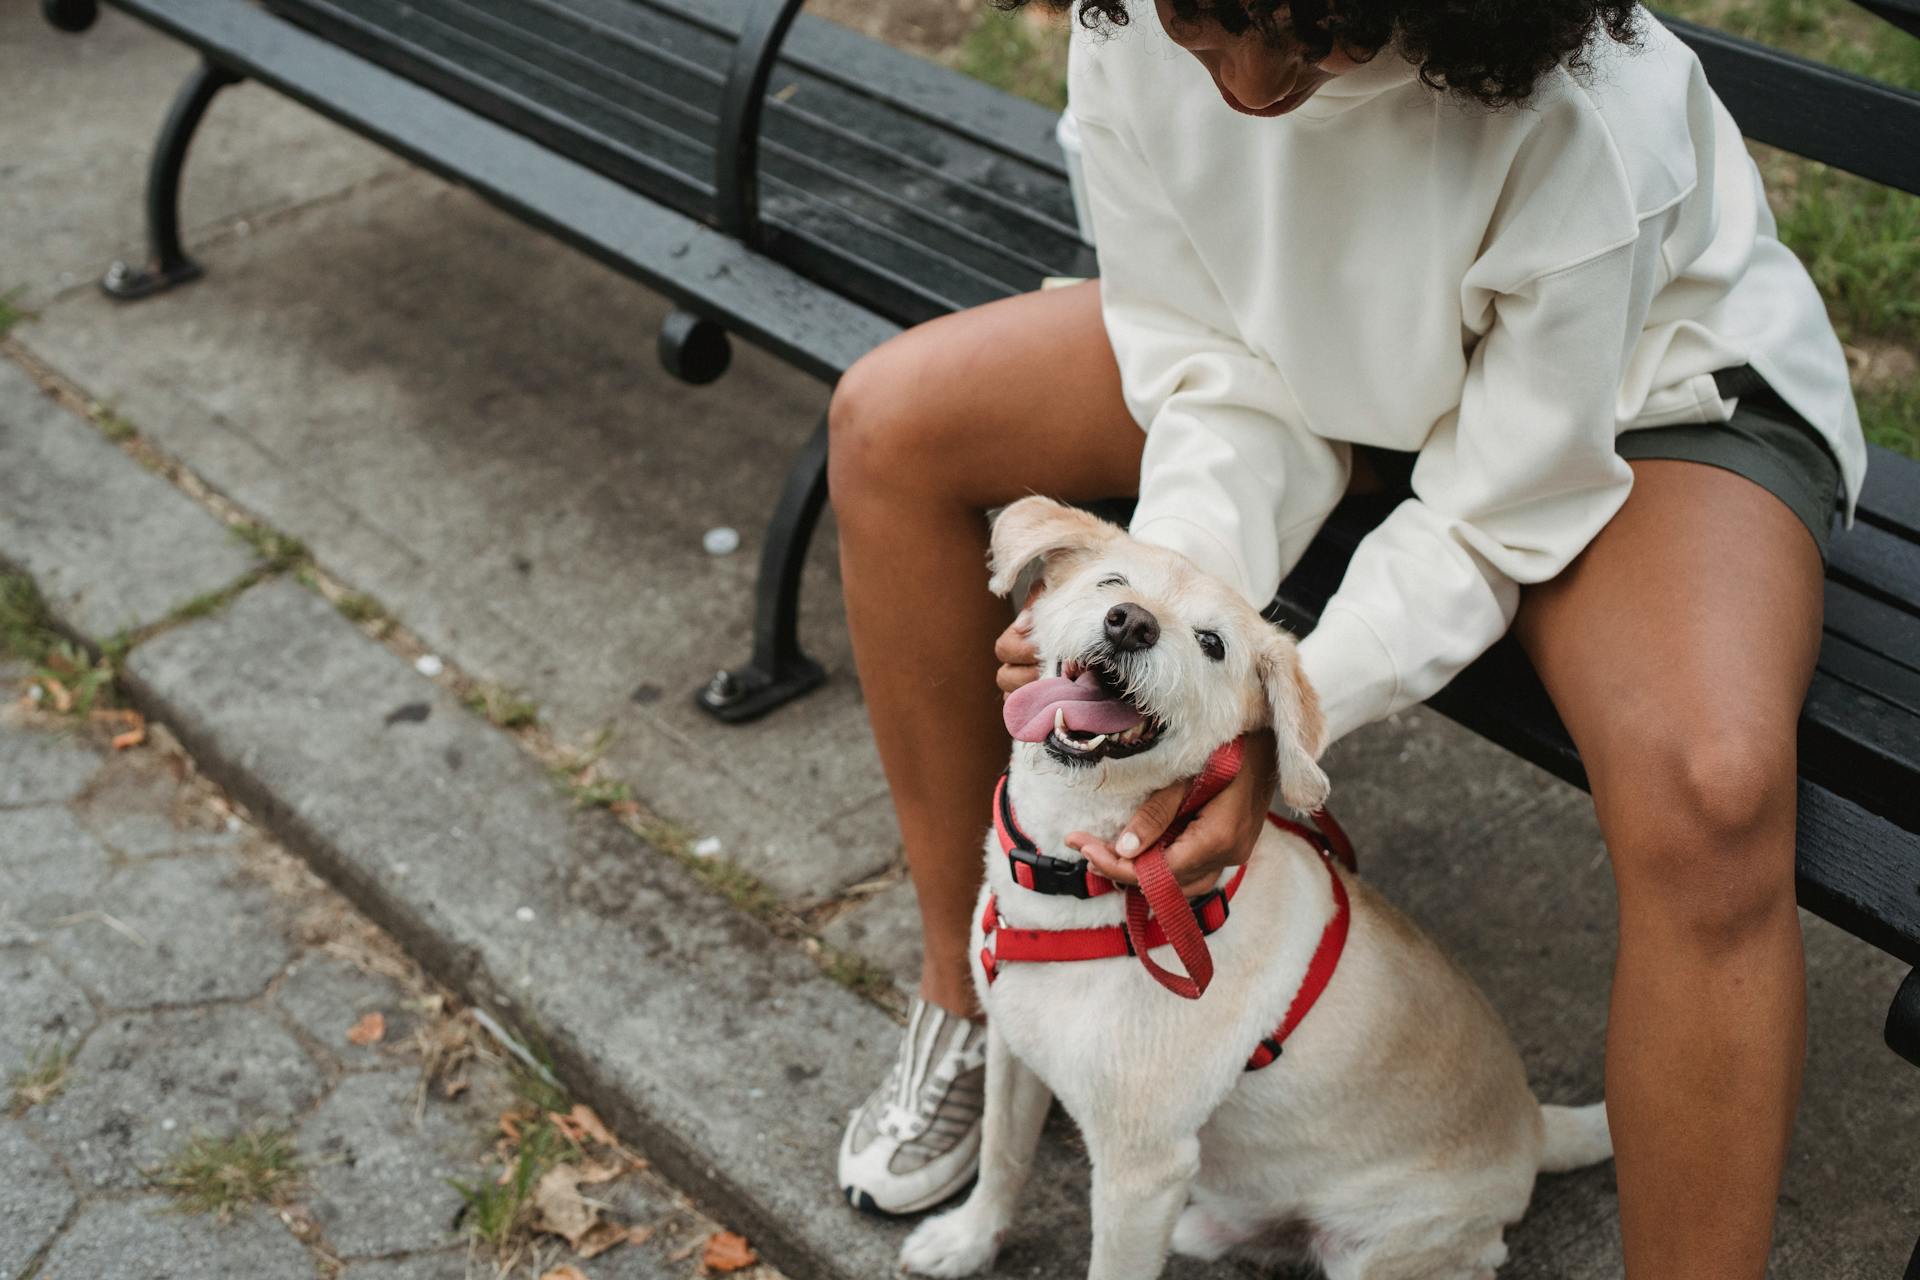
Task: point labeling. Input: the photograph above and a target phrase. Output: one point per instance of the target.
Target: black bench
(812, 192)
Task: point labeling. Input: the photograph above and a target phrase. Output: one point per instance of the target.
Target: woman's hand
(1019, 658)
(1221, 835)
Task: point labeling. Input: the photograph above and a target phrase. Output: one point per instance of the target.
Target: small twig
(512, 1046)
(117, 925)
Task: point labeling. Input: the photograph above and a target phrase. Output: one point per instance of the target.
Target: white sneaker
(916, 1141)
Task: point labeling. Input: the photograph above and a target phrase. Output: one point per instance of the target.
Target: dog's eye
(1211, 644)
(1113, 580)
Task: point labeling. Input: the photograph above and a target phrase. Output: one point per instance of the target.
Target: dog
(1395, 1136)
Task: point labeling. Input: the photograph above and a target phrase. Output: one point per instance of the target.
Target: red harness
(1158, 913)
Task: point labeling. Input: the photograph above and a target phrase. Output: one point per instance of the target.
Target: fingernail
(1024, 623)
(1128, 845)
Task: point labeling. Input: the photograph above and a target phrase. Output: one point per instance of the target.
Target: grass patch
(42, 1080)
(860, 975)
(113, 426)
(1891, 416)
(598, 793)
(219, 1175)
(202, 605)
(66, 679)
(1009, 52)
(504, 708)
(1860, 241)
(73, 682)
(11, 312)
(356, 606)
(280, 552)
(498, 1213)
(26, 629)
(1836, 32)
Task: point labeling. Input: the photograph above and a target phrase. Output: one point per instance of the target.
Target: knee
(871, 422)
(1702, 829)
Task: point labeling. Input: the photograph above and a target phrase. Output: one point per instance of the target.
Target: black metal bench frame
(722, 266)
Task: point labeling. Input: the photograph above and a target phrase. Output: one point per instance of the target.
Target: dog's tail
(1576, 1137)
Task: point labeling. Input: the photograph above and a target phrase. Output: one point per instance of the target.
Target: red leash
(1159, 896)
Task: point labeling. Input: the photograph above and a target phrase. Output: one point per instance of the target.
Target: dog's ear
(1040, 529)
(1298, 726)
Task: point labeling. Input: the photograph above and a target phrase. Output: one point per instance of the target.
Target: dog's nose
(1131, 627)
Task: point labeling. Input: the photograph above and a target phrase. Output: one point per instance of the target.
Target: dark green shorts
(1765, 441)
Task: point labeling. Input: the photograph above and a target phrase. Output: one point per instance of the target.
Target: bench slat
(1859, 871)
(1891, 496)
(1844, 120)
(766, 303)
(939, 98)
(910, 221)
(1877, 563)
(1874, 625)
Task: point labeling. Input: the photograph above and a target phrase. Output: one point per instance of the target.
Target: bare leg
(929, 431)
(1678, 649)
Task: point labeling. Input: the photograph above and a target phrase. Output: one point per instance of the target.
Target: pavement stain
(336, 1104)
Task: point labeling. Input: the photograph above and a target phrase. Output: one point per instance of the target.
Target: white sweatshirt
(1502, 291)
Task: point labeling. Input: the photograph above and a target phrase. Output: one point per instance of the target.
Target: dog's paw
(1201, 1234)
(953, 1244)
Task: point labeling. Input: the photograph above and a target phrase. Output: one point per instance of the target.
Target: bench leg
(778, 672)
(72, 16)
(167, 263)
(1903, 1020)
(1913, 1263)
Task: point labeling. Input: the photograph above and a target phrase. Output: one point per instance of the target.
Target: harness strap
(1326, 958)
(1008, 944)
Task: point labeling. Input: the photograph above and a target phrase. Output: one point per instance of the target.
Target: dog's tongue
(1031, 711)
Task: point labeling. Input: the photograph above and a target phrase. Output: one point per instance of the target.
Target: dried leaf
(569, 1128)
(558, 1207)
(639, 1235)
(624, 808)
(371, 1029)
(131, 738)
(600, 1237)
(453, 1088)
(566, 1271)
(583, 1116)
(62, 697)
(593, 1171)
(510, 1125)
(726, 1251)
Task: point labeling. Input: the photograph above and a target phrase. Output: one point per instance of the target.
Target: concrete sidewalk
(170, 976)
(462, 422)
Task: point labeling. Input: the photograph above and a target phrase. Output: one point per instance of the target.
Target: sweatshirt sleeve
(1507, 491)
(1225, 478)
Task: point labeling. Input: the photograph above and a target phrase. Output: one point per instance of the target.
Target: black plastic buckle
(1050, 874)
(1200, 905)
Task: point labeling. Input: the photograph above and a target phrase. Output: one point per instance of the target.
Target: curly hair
(1488, 51)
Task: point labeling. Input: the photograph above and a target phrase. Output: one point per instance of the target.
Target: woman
(1514, 244)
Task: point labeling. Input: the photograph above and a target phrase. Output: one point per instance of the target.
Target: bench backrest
(1813, 110)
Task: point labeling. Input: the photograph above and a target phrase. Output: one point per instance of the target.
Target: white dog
(1395, 1137)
